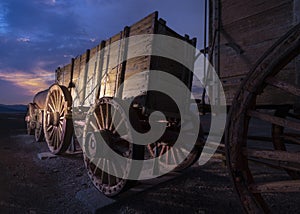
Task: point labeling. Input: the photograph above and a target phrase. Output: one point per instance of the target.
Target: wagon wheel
(30, 119)
(160, 148)
(100, 131)
(176, 154)
(39, 131)
(58, 126)
(254, 190)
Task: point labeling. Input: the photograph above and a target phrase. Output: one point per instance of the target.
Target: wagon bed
(84, 73)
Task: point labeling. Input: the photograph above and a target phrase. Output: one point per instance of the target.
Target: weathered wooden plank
(76, 71)
(145, 25)
(246, 9)
(234, 64)
(279, 186)
(291, 139)
(67, 75)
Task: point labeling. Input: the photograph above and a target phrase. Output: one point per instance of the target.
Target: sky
(37, 36)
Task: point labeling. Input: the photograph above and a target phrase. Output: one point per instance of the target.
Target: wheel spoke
(162, 150)
(107, 116)
(108, 173)
(96, 166)
(274, 155)
(112, 120)
(182, 155)
(51, 134)
(59, 132)
(275, 120)
(283, 86)
(102, 171)
(51, 107)
(119, 125)
(49, 128)
(57, 99)
(51, 101)
(167, 157)
(115, 172)
(62, 109)
(94, 126)
(97, 120)
(54, 139)
(57, 102)
(125, 137)
(150, 150)
(277, 164)
(102, 117)
(173, 156)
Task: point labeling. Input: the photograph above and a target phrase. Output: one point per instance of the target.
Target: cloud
(24, 39)
(32, 83)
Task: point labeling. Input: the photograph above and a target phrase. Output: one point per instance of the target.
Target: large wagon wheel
(58, 126)
(30, 119)
(159, 148)
(255, 188)
(100, 131)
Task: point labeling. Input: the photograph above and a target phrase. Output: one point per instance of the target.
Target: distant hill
(12, 108)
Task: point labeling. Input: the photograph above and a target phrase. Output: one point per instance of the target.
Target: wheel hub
(107, 136)
(94, 144)
(54, 118)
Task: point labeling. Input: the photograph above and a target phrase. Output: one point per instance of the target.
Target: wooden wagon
(87, 96)
(255, 46)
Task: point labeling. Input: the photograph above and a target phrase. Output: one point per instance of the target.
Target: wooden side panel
(91, 77)
(106, 69)
(67, 75)
(249, 28)
(81, 82)
(76, 73)
(158, 101)
(139, 66)
(110, 82)
(63, 75)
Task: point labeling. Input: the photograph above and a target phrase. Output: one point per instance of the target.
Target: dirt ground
(31, 185)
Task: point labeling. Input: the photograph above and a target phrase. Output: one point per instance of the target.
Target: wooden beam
(275, 120)
(291, 139)
(283, 86)
(279, 186)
